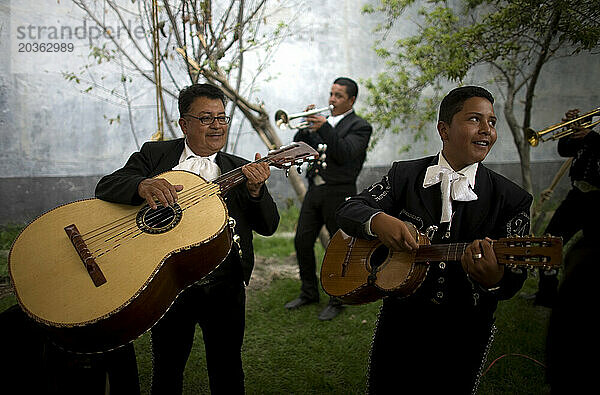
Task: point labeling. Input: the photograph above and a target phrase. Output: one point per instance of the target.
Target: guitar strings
(426, 251)
(107, 237)
(128, 220)
(102, 240)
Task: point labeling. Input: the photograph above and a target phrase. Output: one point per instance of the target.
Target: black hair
(190, 93)
(351, 87)
(454, 100)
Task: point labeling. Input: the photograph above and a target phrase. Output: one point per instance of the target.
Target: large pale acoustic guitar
(361, 271)
(97, 275)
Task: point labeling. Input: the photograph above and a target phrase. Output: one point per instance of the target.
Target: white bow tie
(204, 167)
(454, 186)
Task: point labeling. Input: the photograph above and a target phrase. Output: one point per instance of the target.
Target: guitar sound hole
(160, 220)
(378, 257)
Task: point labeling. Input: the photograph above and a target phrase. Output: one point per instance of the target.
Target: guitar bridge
(85, 255)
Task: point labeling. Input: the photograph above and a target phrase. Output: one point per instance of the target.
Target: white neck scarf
(205, 167)
(454, 185)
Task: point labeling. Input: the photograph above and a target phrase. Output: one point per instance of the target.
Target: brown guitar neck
(284, 158)
(440, 252)
(234, 177)
(513, 251)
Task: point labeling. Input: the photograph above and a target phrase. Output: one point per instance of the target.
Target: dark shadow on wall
(24, 199)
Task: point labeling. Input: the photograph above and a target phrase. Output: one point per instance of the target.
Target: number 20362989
(46, 47)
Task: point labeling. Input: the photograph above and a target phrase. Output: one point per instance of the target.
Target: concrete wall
(25, 198)
(56, 140)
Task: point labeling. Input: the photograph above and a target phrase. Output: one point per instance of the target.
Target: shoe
(299, 302)
(330, 312)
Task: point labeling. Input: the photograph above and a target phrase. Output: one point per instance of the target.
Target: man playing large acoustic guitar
(217, 302)
(435, 341)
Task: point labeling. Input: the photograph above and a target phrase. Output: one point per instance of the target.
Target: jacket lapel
(224, 164)
(431, 198)
(169, 157)
(476, 211)
(343, 127)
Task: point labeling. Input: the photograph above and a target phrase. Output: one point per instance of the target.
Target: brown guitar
(97, 275)
(361, 271)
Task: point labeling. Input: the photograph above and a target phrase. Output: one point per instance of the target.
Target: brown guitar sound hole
(160, 220)
(378, 257)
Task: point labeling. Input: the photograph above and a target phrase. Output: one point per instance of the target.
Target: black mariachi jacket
(250, 214)
(586, 157)
(502, 209)
(346, 149)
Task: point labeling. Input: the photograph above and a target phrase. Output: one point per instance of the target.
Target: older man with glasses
(217, 303)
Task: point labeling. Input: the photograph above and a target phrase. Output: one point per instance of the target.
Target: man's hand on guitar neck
(256, 174)
(393, 233)
(151, 189)
(479, 262)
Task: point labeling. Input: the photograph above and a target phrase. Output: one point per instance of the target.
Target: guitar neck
(285, 157)
(513, 251)
(440, 252)
(234, 177)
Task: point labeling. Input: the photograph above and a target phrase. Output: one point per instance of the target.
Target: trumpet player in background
(342, 139)
(580, 209)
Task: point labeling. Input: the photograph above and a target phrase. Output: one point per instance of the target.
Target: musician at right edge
(579, 210)
(436, 340)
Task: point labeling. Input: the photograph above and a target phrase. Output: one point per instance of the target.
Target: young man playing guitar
(436, 340)
(217, 303)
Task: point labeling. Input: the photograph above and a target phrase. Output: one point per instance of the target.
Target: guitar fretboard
(440, 252)
(234, 177)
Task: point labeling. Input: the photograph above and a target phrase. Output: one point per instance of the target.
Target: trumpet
(533, 137)
(282, 119)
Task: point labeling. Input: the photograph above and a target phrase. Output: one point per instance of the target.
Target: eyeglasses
(208, 120)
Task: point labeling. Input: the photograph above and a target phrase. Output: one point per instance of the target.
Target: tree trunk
(518, 137)
(525, 167)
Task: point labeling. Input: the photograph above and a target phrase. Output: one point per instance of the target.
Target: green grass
(293, 352)
(274, 246)
(7, 234)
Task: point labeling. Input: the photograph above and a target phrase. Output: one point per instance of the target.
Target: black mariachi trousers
(318, 209)
(219, 310)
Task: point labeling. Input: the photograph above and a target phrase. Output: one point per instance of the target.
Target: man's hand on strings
(152, 189)
(257, 174)
(393, 233)
(479, 262)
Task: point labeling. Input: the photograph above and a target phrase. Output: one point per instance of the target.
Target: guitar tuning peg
(287, 172)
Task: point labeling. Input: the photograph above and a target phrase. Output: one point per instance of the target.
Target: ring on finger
(477, 256)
